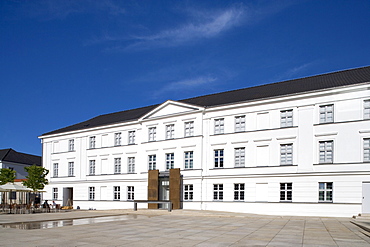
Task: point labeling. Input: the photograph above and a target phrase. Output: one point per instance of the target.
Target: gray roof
(13, 156)
(307, 84)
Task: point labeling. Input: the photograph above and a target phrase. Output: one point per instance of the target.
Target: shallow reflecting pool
(67, 222)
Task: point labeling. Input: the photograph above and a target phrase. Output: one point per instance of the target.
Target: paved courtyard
(182, 228)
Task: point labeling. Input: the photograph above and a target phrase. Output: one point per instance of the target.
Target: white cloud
(184, 85)
(201, 26)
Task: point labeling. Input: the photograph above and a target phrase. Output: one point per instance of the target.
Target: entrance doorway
(164, 191)
(68, 196)
(366, 197)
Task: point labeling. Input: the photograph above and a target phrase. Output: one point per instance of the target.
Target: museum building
(297, 147)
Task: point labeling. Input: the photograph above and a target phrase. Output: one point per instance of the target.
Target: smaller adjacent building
(17, 161)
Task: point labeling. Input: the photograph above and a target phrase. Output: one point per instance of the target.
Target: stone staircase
(362, 221)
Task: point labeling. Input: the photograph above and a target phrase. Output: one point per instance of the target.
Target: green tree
(36, 179)
(7, 176)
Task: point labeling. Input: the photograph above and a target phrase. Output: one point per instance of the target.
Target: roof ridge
(274, 83)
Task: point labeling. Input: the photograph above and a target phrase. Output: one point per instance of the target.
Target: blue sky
(63, 62)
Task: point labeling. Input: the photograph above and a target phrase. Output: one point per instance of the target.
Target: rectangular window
(117, 193)
(218, 192)
(170, 161)
(55, 170)
(55, 193)
(71, 145)
(189, 128)
(117, 139)
(286, 118)
(326, 113)
(367, 109)
(131, 165)
(130, 193)
(170, 131)
(238, 192)
(152, 163)
(326, 192)
(366, 150)
(326, 152)
(71, 169)
(152, 134)
(219, 158)
(219, 126)
(91, 193)
(117, 165)
(92, 167)
(286, 154)
(239, 157)
(92, 142)
(286, 191)
(188, 160)
(239, 123)
(188, 192)
(131, 137)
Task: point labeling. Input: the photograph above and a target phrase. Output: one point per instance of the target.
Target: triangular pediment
(169, 108)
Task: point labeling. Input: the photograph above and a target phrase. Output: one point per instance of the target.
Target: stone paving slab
(183, 228)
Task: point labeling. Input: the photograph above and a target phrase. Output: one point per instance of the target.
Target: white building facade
(299, 147)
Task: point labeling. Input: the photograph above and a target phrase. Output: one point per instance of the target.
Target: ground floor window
(91, 193)
(325, 192)
(218, 192)
(130, 193)
(238, 192)
(117, 193)
(55, 193)
(188, 192)
(286, 191)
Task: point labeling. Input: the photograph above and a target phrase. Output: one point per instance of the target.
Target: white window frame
(170, 131)
(55, 193)
(188, 159)
(240, 123)
(117, 165)
(152, 134)
(131, 164)
(188, 192)
(218, 192)
(286, 154)
(92, 142)
(286, 192)
(326, 152)
(239, 191)
(325, 191)
(218, 158)
(189, 128)
(71, 169)
(239, 157)
(326, 113)
(170, 161)
(55, 170)
(117, 139)
(91, 193)
(71, 145)
(131, 137)
(219, 126)
(286, 118)
(91, 167)
(366, 146)
(116, 193)
(367, 109)
(130, 193)
(152, 162)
